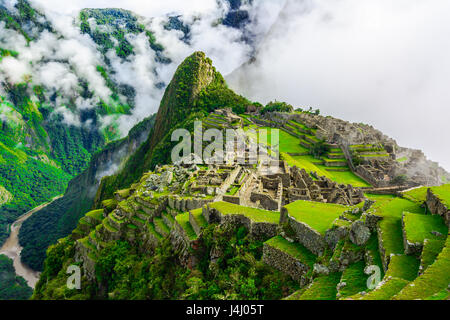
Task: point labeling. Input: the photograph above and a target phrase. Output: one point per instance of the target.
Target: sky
(381, 62)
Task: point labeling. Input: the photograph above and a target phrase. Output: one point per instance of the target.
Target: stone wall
(410, 247)
(258, 230)
(265, 201)
(232, 199)
(186, 204)
(284, 263)
(436, 206)
(384, 259)
(304, 234)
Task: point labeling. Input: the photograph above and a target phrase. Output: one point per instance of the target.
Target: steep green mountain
(12, 287)
(195, 90)
(59, 218)
(66, 92)
(39, 151)
(49, 132)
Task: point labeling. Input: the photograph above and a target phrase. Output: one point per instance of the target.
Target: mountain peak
(193, 75)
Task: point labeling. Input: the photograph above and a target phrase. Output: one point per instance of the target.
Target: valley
(302, 206)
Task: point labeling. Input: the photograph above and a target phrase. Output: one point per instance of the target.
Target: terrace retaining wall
(437, 207)
(285, 263)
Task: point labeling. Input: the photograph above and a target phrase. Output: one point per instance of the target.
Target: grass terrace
(443, 193)
(372, 249)
(152, 230)
(433, 280)
(304, 162)
(418, 227)
(431, 249)
(183, 221)
(254, 214)
(385, 292)
(417, 195)
(96, 214)
(403, 267)
(294, 249)
(355, 278)
(198, 216)
(319, 216)
(323, 288)
(391, 225)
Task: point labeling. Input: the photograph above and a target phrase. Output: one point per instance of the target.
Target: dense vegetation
(29, 181)
(122, 272)
(39, 151)
(12, 287)
(277, 106)
(58, 219)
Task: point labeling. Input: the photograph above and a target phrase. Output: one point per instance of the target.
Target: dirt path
(12, 249)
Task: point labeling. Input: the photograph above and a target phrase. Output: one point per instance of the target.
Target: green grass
(391, 225)
(418, 195)
(288, 143)
(294, 249)
(355, 278)
(379, 197)
(131, 226)
(108, 226)
(152, 230)
(303, 162)
(96, 214)
(418, 227)
(433, 280)
(403, 267)
(373, 250)
(443, 193)
(348, 177)
(198, 216)
(441, 295)
(183, 221)
(125, 193)
(169, 217)
(234, 189)
(402, 159)
(386, 291)
(256, 215)
(431, 249)
(319, 216)
(323, 288)
(161, 224)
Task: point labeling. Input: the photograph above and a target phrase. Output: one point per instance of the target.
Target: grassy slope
(418, 227)
(391, 225)
(319, 216)
(256, 215)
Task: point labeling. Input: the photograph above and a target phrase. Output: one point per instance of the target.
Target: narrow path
(12, 249)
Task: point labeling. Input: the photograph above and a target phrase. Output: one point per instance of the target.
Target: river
(12, 249)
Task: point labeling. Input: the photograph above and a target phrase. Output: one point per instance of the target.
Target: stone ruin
(303, 187)
(379, 173)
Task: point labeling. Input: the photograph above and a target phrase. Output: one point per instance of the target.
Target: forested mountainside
(67, 89)
(59, 218)
(336, 205)
(12, 287)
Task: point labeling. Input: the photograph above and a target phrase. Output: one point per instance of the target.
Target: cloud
(380, 62)
(144, 8)
(14, 69)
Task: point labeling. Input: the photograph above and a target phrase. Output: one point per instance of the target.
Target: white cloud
(144, 8)
(380, 62)
(14, 69)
